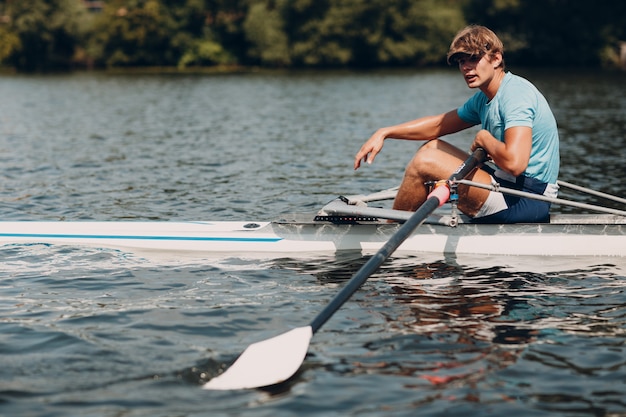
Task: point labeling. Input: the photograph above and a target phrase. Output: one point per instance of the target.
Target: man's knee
(426, 160)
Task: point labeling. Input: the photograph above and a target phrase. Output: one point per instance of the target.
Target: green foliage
(136, 33)
(554, 32)
(205, 52)
(371, 32)
(264, 29)
(37, 35)
(41, 34)
(10, 43)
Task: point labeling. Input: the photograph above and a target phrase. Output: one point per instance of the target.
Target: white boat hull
(581, 235)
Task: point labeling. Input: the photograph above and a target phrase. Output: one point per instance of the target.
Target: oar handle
(372, 265)
(475, 159)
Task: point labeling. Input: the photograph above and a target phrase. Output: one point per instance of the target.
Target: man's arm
(424, 128)
(513, 154)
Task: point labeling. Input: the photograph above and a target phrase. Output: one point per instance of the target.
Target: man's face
(477, 70)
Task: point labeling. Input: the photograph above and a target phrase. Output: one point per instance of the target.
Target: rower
(519, 133)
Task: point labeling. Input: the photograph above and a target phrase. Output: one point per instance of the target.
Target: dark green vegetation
(41, 35)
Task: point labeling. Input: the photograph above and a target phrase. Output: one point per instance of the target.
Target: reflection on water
(441, 335)
(480, 332)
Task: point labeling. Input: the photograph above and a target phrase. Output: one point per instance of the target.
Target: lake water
(95, 332)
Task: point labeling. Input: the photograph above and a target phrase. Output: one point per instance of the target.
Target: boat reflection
(443, 321)
(473, 325)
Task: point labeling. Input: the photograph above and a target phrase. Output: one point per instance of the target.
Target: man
(519, 133)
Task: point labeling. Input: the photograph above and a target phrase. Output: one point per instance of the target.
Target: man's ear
(496, 60)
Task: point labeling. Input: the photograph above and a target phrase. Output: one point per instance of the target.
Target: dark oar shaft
(375, 262)
(392, 244)
(275, 360)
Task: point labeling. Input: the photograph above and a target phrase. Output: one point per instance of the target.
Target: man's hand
(513, 154)
(370, 149)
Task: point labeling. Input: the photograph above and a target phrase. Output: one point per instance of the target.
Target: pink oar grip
(442, 193)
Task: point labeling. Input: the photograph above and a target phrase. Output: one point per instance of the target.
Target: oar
(532, 196)
(277, 359)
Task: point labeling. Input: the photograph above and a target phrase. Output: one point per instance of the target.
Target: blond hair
(475, 40)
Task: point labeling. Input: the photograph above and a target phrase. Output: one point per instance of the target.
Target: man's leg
(437, 160)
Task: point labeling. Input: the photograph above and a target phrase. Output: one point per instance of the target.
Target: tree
(10, 43)
(38, 35)
(264, 30)
(135, 33)
(41, 34)
(370, 33)
(554, 32)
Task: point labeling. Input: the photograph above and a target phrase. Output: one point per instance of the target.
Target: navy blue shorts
(520, 209)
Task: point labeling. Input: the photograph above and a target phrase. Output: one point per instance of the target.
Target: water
(95, 332)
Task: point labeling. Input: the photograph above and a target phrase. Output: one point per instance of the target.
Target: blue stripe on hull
(130, 237)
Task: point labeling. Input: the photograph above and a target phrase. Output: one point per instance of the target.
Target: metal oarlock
(454, 199)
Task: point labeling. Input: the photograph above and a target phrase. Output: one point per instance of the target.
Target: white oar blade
(266, 363)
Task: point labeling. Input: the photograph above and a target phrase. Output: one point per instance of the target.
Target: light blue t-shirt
(519, 103)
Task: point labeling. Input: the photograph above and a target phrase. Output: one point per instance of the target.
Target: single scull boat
(347, 223)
